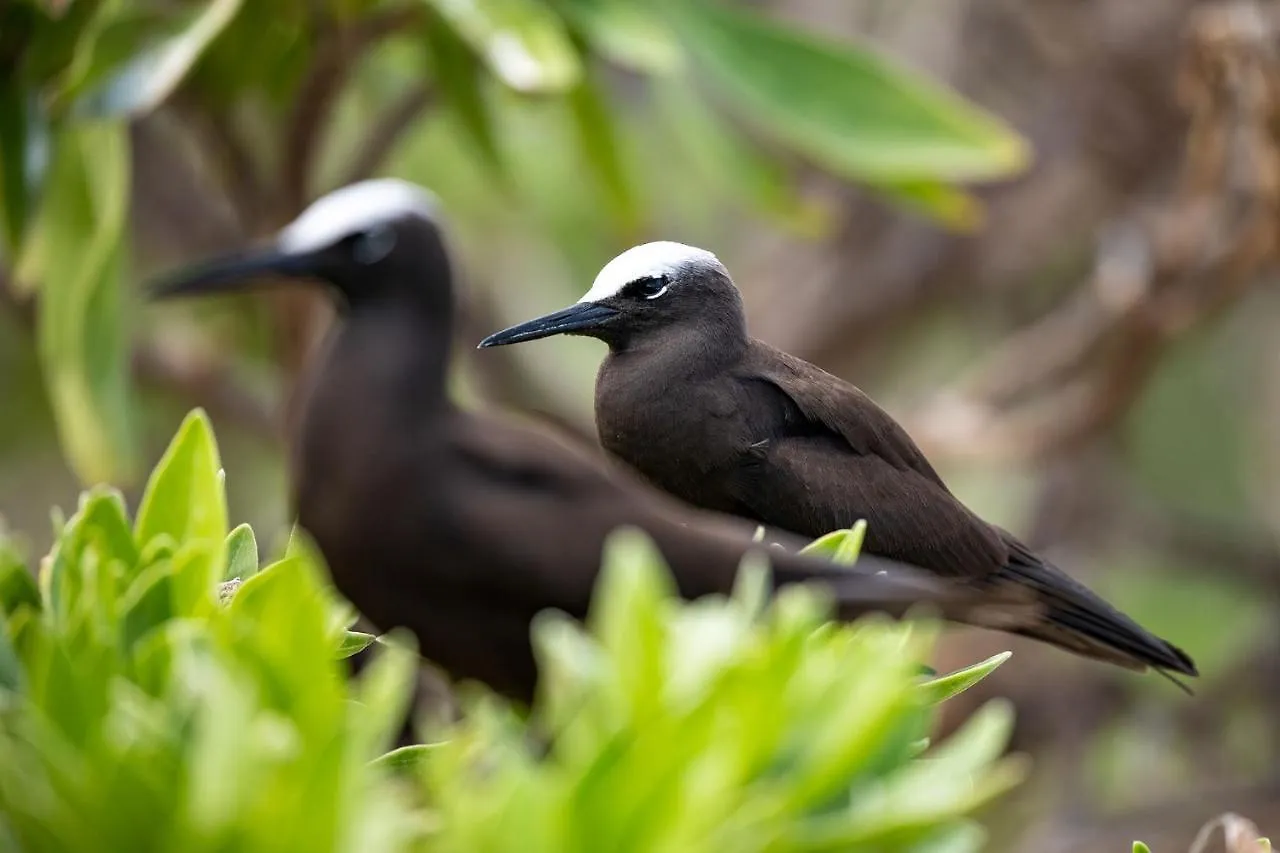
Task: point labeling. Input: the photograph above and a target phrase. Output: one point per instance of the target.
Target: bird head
(651, 287)
(370, 241)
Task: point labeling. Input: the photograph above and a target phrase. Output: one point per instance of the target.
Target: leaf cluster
(159, 690)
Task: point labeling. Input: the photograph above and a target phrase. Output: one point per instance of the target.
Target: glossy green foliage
(137, 712)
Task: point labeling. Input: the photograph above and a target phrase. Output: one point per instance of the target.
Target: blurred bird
(730, 424)
(459, 527)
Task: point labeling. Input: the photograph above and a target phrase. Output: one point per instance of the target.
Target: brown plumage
(460, 527)
(731, 424)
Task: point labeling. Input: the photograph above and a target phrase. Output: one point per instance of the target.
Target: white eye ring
(374, 245)
(659, 293)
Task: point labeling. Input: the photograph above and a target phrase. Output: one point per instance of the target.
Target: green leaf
(17, 584)
(1139, 847)
(83, 341)
(629, 34)
(941, 689)
(242, 554)
(942, 202)
(461, 79)
(846, 107)
(143, 82)
(522, 41)
(10, 667)
(23, 155)
(196, 568)
(602, 150)
(354, 642)
(839, 546)
(185, 498)
(384, 691)
(148, 602)
(729, 161)
(406, 758)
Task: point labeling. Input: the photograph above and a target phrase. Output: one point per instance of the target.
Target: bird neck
(693, 347)
(394, 355)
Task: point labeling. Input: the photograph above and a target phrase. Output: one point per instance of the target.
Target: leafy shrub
(160, 692)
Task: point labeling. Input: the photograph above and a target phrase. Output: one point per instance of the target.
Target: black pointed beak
(576, 318)
(230, 273)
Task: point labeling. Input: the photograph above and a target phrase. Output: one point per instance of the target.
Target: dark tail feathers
(1078, 620)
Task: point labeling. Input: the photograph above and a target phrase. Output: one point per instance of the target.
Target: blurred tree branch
(1066, 378)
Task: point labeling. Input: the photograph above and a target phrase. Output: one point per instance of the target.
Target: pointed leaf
(941, 689)
(846, 107)
(839, 546)
(83, 341)
(945, 204)
(242, 554)
(184, 497)
(522, 41)
(406, 758)
(354, 642)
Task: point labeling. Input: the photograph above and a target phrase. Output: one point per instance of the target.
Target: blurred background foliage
(1042, 233)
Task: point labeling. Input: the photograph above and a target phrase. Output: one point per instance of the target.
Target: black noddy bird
(461, 527)
(715, 417)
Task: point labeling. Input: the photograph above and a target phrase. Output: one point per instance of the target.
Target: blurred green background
(1039, 232)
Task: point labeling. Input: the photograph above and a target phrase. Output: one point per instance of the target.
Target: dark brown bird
(730, 424)
(460, 527)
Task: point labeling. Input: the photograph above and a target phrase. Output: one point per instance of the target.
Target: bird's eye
(649, 288)
(373, 245)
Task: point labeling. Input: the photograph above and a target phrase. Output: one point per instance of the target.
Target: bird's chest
(681, 432)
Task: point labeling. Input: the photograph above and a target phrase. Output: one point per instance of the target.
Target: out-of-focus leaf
(196, 568)
(10, 668)
(849, 109)
(83, 341)
(144, 82)
(15, 172)
(93, 553)
(242, 554)
(184, 497)
(941, 689)
(728, 160)
(603, 151)
(148, 603)
(461, 78)
(522, 41)
(406, 758)
(384, 691)
(1139, 847)
(946, 204)
(628, 33)
(17, 583)
(626, 611)
(354, 642)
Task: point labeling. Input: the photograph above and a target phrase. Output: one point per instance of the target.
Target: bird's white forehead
(353, 208)
(647, 259)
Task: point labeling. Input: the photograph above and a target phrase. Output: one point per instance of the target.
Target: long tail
(1076, 619)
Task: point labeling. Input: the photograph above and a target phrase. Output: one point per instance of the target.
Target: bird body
(725, 422)
(462, 527)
